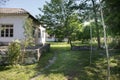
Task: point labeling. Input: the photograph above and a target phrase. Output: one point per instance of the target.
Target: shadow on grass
(3, 68)
(74, 65)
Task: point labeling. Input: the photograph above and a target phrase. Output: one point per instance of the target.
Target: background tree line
(65, 18)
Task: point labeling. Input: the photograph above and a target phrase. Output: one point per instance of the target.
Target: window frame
(6, 30)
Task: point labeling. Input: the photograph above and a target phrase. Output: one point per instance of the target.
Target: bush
(14, 51)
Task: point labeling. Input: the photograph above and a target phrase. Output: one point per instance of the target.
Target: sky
(29, 5)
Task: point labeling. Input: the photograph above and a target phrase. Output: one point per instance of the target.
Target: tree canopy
(65, 18)
(112, 15)
(60, 17)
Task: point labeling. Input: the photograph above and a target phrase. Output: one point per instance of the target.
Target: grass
(17, 72)
(69, 65)
(74, 65)
(24, 72)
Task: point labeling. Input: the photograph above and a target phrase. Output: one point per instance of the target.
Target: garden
(92, 50)
(67, 65)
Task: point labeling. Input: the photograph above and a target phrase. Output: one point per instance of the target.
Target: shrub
(14, 51)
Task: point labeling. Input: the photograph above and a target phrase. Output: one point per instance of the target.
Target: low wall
(78, 48)
(32, 55)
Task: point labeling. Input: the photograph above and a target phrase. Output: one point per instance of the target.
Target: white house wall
(42, 38)
(50, 39)
(18, 22)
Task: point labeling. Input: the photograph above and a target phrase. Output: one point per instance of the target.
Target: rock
(30, 60)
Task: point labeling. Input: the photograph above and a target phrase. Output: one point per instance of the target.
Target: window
(6, 31)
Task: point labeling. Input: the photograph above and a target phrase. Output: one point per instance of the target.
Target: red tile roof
(12, 11)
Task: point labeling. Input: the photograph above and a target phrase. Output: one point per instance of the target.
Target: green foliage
(68, 65)
(17, 72)
(89, 10)
(112, 16)
(74, 27)
(14, 52)
(86, 33)
(25, 72)
(75, 65)
(28, 31)
(56, 16)
(29, 40)
(28, 28)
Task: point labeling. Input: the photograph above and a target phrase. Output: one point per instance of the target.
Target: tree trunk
(96, 23)
(70, 43)
(106, 46)
(22, 55)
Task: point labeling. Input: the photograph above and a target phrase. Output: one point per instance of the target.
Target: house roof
(17, 11)
(12, 11)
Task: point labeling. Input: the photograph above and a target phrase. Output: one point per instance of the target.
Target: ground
(63, 64)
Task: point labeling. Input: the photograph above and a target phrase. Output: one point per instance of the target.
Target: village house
(12, 21)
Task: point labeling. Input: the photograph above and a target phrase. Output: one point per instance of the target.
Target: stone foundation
(32, 54)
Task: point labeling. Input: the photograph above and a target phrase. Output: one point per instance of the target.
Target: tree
(56, 15)
(105, 40)
(90, 8)
(28, 32)
(74, 29)
(112, 16)
(14, 52)
(96, 22)
(28, 28)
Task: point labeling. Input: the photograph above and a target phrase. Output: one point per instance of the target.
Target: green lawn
(24, 72)
(69, 65)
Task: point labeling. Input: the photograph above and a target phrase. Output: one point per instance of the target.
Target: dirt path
(46, 67)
